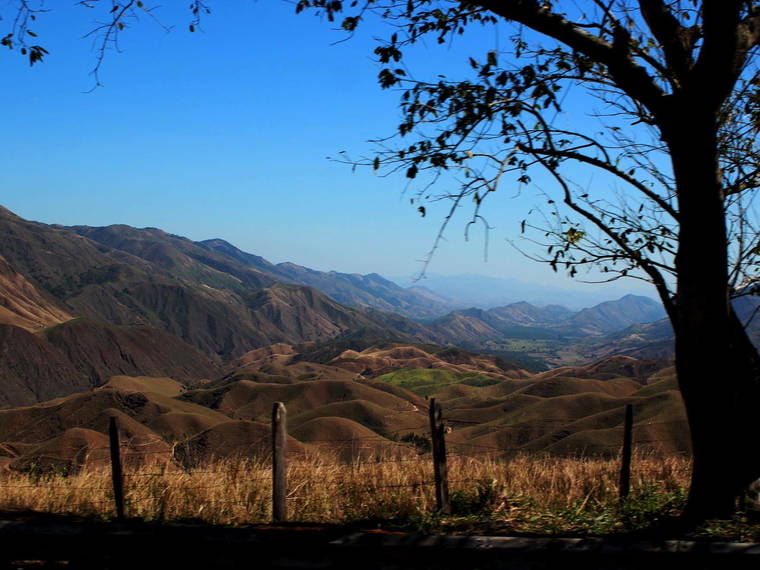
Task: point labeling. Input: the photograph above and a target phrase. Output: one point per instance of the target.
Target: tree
(679, 92)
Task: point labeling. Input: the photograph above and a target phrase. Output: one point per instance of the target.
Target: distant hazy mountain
(526, 321)
(486, 292)
(616, 315)
(350, 289)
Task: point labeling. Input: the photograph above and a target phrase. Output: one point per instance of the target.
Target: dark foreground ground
(35, 541)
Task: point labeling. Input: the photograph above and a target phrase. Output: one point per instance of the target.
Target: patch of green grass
(482, 509)
(427, 381)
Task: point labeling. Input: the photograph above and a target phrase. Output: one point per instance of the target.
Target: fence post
(440, 466)
(116, 474)
(279, 463)
(625, 464)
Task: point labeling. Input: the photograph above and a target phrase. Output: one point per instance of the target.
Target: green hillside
(427, 382)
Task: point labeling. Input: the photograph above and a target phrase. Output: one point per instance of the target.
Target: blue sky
(225, 133)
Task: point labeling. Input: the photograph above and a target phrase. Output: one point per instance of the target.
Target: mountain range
(103, 301)
(485, 291)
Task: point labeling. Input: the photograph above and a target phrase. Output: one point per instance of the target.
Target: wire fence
(414, 468)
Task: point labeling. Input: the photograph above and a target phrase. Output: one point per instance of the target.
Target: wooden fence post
(440, 466)
(116, 474)
(279, 463)
(625, 463)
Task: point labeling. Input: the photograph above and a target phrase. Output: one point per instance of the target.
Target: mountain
(118, 300)
(33, 370)
(354, 290)
(553, 335)
(552, 322)
(484, 292)
(524, 313)
(646, 340)
(616, 315)
(81, 354)
(127, 276)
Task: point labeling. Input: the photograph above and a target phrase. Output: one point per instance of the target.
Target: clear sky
(225, 133)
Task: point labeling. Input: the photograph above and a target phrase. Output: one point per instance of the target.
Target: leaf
(574, 236)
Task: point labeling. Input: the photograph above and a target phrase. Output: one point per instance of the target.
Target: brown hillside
(468, 411)
(415, 400)
(251, 400)
(346, 438)
(453, 394)
(74, 447)
(611, 367)
(36, 424)
(279, 363)
(101, 351)
(126, 276)
(286, 363)
(33, 370)
(235, 438)
(279, 352)
(465, 328)
(564, 385)
(164, 386)
(148, 423)
(181, 426)
(379, 360)
(80, 354)
(368, 414)
(22, 305)
(331, 430)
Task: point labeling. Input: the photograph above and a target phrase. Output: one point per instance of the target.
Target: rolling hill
(498, 411)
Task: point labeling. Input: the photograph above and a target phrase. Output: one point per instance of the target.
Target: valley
(188, 344)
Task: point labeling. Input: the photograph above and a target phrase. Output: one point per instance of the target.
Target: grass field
(426, 381)
(547, 495)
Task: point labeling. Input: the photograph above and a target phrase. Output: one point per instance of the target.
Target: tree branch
(654, 274)
(629, 76)
(677, 42)
(611, 169)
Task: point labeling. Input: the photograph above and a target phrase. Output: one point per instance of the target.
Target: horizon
(466, 295)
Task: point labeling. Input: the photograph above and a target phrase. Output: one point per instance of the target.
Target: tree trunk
(717, 365)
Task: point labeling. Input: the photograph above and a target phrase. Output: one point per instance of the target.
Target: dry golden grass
(324, 490)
